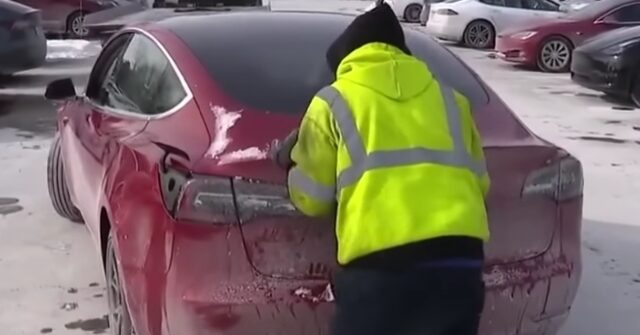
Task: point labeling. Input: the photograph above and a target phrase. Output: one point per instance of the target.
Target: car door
(501, 13)
(106, 116)
(524, 12)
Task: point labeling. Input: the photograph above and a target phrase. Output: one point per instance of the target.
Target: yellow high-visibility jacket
(393, 154)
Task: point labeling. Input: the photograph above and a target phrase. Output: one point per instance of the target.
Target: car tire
(412, 13)
(57, 184)
(119, 317)
(479, 34)
(554, 55)
(74, 25)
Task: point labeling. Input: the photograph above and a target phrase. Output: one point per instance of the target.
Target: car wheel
(479, 34)
(57, 184)
(75, 25)
(119, 318)
(634, 94)
(555, 55)
(412, 13)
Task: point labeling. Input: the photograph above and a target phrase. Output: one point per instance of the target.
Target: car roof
(244, 22)
(251, 18)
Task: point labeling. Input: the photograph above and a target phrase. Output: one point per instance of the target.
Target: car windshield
(279, 67)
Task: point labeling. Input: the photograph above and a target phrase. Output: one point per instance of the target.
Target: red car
(165, 159)
(66, 16)
(548, 45)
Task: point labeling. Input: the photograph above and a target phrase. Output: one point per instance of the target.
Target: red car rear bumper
(209, 287)
(517, 50)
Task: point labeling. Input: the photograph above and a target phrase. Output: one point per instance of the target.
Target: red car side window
(107, 57)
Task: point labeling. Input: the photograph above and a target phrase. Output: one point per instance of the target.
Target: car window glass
(539, 5)
(143, 80)
(513, 3)
(500, 3)
(281, 81)
(109, 54)
(627, 14)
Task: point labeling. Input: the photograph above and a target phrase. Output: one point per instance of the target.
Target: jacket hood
(372, 52)
(377, 25)
(386, 70)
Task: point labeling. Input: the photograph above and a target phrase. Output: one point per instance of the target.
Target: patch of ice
(302, 291)
(248, 154)
(307, 294)
(224, 121)
(327, 295)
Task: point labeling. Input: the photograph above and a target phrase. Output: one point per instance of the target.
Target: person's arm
(312, 178)
(477, 150)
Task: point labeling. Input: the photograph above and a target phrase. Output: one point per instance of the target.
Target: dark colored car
(610, 63)
(65, 17)
(23, 45)
(549, 44)
(104, 24)
(165, 159)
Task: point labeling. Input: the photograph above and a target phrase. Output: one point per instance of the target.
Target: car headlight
(523, 35)
(618, 48)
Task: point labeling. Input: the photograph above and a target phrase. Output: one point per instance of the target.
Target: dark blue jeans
(433, 300)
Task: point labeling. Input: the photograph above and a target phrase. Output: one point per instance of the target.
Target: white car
(407, 10)
(475, 23)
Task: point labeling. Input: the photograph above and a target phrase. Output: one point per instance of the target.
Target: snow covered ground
(605, 136)
(72, 49)
(51, 280)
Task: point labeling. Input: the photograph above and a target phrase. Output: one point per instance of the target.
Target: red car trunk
(281, 242)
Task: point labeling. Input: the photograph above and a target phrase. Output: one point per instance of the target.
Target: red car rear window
(276, 61)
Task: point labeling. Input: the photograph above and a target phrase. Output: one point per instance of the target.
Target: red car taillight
(563, 180)
(206, 199)
(221, 200)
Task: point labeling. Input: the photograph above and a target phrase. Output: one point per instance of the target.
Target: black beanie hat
(377, 25)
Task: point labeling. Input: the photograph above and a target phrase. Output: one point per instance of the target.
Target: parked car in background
(426, 9)
(23, 45)
(610, 63)
(548, 44)
(407, 10)
(103, 24)
(475, 23)
(65, 17)
(165, 159)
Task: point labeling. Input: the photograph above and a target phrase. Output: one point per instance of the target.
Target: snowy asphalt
(50, 281)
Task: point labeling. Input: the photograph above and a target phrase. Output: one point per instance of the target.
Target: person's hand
(280, 152)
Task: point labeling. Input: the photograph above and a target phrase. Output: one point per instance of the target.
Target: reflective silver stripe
(346, 122)
(300, 180)
(362, 162)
